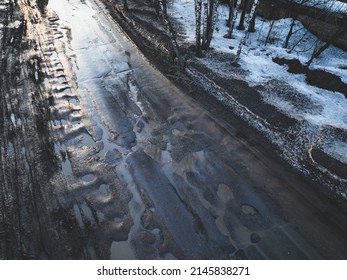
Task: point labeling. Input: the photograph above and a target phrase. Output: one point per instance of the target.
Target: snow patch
(16, 24)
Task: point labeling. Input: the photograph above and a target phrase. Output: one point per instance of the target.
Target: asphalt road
(102, 157)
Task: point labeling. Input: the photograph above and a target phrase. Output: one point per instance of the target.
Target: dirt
(103, 157)
(318, 78)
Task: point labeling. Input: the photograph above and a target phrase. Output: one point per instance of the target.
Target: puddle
(166, 158)
(91, 249)
(101, 216)
(10, 149)
(109, 149)
(60, 151)
(87, 140)
(54, 55)
(66, 167)
(74, 101)
(136, 206)
(248, 209)
(63, 122)
(122, 251)
(190, 161)
(76, 121)
(87, 212)
(224, 193)
(88, 177)
(133, 94)
(62, 89)
(169, 256)
(221, 225)
(75, 113)
(104, 189)
(113, 157)
(44, 256)
(78, 216)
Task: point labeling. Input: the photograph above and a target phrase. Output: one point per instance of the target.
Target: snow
(14, 24)
(323, 108)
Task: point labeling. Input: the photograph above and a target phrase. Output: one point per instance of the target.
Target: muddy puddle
(142, 171)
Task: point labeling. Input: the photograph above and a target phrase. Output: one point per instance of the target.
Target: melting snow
(323, 108)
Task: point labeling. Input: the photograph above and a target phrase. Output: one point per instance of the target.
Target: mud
(318, 78)
(103, 157)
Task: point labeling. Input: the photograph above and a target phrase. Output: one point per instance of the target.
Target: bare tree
(241, 25)
(272, 24)
(320, 7)
(244, 37)
(198, 10)
(321, 48)
(251, 26)
(160, 7)
(206, 14)
(212, 16)
(233, 13)
(290, 32)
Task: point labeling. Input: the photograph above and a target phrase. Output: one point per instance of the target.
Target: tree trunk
(211, 22)
(230, 22)
(290, 33)
(327, 44)
(206, 13)
(198, 10)
(244, 37)
(231, 12)
(251, 27)
(236, 12)
(204, 24)
(243, 15)
(173, 42)
(269, 33)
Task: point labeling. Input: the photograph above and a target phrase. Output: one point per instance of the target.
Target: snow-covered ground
(323, 108)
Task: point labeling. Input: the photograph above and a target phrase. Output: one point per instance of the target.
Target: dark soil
(318, 78)
(326, 80)
(329, 162)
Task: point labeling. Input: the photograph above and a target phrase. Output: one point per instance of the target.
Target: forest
(327, 19)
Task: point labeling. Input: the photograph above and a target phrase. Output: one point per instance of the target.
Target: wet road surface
(102, 157)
